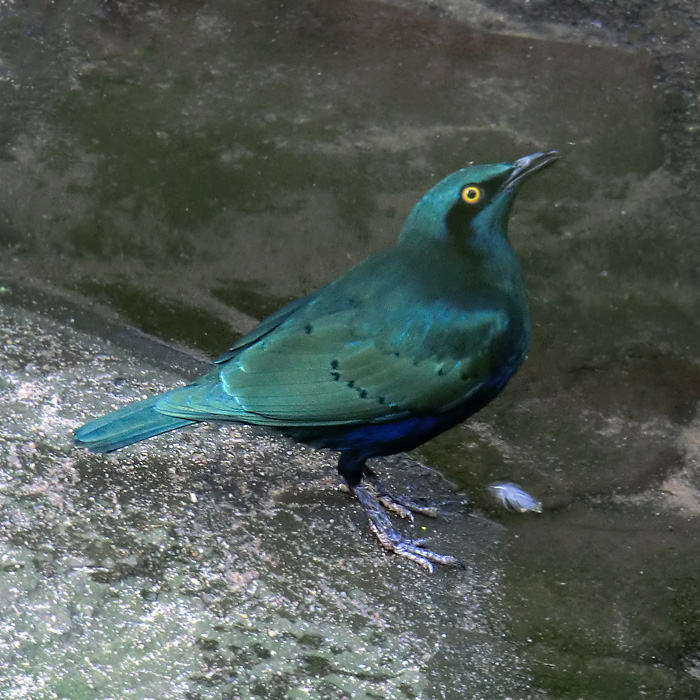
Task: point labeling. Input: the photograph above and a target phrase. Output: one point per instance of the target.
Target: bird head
(472, 204)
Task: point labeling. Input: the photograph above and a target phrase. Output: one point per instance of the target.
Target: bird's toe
(392, 540)
(400, 505)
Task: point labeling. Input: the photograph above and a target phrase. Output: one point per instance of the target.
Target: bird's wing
(349, 367)
(264, 327)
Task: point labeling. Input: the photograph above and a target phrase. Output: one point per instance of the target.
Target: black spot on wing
(361, 392)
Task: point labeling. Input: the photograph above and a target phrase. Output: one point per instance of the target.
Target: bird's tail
(133, 423)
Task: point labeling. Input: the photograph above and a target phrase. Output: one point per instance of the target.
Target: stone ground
(218, 563)
(186, 168)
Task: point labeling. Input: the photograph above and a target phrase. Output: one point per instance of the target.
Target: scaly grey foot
(391, 540)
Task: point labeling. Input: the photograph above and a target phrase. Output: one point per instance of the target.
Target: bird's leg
(402, 506)
(352, 469)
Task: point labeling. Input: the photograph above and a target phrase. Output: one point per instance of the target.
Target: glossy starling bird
(402, 347)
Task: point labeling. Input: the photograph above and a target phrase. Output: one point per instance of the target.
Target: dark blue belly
(378, 439)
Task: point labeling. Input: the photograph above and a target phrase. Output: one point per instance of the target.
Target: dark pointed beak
(528, 165)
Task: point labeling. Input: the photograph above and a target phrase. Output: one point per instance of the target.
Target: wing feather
(345, 367)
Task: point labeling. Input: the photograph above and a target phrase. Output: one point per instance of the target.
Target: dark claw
(402, 506)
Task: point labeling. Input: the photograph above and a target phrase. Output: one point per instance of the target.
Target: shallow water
(187, 168)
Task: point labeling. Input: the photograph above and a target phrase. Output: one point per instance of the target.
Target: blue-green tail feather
(133, 423)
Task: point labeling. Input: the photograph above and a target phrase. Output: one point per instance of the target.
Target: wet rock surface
(216, 562)
(187, 169)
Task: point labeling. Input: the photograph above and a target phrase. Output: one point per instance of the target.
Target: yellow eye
(471, 194)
